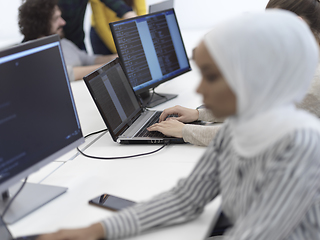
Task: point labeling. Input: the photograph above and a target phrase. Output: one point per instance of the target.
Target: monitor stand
(153, 99)
(31, 197)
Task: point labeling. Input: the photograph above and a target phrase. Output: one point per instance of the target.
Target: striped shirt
(274, 195)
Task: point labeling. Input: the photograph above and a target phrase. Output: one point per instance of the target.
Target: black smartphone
(111, 202)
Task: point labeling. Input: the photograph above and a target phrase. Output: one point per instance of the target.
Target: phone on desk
(111, 202)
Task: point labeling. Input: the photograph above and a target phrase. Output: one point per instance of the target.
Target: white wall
(9, 31)
(191, 14)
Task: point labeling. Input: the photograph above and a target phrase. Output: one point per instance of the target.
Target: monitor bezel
(154, 85)
(4, 186)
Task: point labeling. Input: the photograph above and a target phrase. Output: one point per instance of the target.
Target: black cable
(10, 202)
(123, 157)
(93, 133)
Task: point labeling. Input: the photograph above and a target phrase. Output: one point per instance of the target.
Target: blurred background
(194, 17)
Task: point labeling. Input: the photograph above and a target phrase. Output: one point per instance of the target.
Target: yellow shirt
(102, 16)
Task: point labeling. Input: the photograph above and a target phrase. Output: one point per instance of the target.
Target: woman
(100, 33)
(309, 11)
(265, 160)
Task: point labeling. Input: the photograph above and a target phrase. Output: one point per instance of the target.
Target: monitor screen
(38, 118)
(151, 49)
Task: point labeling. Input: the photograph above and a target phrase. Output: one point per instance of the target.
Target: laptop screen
(113, 95)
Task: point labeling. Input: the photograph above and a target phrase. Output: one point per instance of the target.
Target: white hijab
(268, 59)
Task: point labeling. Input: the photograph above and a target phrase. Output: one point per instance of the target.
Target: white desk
(137, 179)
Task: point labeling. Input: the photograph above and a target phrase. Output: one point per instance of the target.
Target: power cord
(10, 202)
(121, 157)
(93, 133)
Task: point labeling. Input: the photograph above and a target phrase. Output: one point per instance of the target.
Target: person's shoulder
(305, 138)
(296, 152)
(300, 142)
(68, 45)
(66, 41)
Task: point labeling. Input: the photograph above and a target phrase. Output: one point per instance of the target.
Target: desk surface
(137, 179)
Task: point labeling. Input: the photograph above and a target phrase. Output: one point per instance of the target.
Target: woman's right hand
(185, 115)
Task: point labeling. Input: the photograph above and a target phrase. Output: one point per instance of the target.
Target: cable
(93, 133)
(10, 202)
(123, 157)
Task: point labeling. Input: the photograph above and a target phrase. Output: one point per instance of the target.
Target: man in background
(73, 12)
(40, 18)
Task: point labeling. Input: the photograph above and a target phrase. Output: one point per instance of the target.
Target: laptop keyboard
(145, 133)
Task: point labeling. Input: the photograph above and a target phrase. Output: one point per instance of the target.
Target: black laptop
(6, 235)
(120, 109)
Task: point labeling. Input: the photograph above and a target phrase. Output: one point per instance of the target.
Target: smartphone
(111, 202)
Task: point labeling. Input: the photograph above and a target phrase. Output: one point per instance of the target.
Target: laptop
(6, 235)
(157, 7)
(120, 109)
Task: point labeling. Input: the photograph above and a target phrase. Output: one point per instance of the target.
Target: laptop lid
(157, 7)
(114, 97)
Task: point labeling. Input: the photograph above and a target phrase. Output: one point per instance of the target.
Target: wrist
(97, 231)
(197, 114)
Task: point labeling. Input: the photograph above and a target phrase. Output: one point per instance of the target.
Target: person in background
(309, 11)
(265, 160)
(100, 33)
(73, 12)
(40, 18)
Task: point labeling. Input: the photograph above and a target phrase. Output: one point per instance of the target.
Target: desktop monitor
(152, 52)
(163, 5)
(38, 121)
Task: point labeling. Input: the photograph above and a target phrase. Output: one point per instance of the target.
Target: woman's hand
(94, 232)
(184, 114)
(171, 127)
